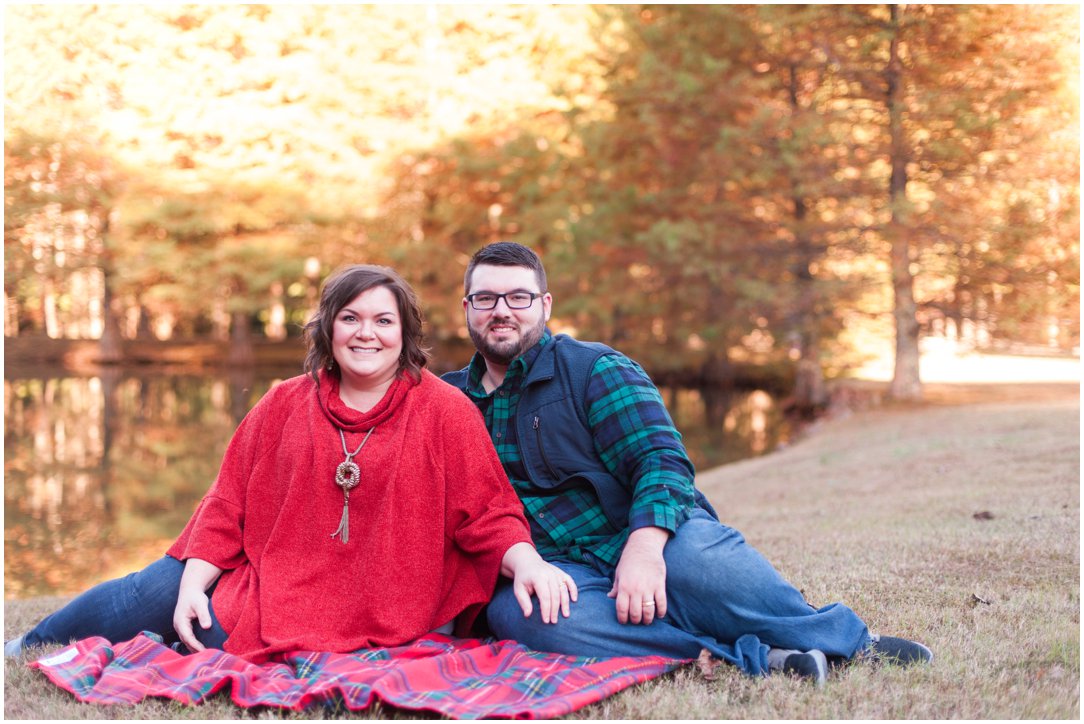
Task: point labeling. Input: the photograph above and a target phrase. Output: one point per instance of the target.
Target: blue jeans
(119, 609)
(721, 595)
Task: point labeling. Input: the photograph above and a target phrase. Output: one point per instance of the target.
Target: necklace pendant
(347, 475)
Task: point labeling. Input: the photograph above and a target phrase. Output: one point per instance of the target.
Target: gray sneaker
(13, 647)
(810, 664)
(894, 650)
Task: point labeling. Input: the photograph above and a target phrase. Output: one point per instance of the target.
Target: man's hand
(640, 577)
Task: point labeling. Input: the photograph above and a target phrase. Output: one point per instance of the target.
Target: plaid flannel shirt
(635, 439)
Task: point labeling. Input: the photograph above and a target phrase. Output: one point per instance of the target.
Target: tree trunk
(241, 354)
(960, 293)
(143, 326)
(110, 377)
(809, 390)
(717, 402)
(718, 370)
(110, 350)
(618, 335)
(276, 324)
(11, 316)
(241, 382)
(906, 384)
(221, 321)
(49, 309)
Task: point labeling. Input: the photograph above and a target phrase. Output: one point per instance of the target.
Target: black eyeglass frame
(498, 297)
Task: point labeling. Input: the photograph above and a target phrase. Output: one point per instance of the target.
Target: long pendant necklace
(347, 477)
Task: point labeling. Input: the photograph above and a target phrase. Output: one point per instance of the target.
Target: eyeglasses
(515, 300)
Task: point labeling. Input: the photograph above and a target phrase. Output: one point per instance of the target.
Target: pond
(102, 472)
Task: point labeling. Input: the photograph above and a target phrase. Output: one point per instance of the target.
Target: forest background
(710, 186)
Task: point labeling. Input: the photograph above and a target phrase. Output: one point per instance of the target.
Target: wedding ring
(648, 603)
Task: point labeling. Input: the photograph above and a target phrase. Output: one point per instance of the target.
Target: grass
(877, 509)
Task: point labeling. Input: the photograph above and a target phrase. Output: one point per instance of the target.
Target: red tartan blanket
(460, 678)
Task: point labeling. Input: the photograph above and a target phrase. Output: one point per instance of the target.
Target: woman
(361, 504)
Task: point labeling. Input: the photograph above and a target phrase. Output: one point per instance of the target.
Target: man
(608, 489)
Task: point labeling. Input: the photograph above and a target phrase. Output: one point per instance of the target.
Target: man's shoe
(898, 651)
(810, 664)
(13, 647)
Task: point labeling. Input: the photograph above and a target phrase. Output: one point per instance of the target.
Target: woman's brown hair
(340, 289)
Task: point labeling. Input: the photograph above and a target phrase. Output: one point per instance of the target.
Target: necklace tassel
(344, 523)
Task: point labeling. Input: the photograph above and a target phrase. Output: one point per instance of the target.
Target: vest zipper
(538, 437)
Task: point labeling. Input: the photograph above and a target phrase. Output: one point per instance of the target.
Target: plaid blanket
(459, 678)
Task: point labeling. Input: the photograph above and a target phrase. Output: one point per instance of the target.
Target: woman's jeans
(721, 595)
(122, 608)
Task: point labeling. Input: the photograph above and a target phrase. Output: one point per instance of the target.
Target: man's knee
(503, 614)
(575, 636)
(704, 553)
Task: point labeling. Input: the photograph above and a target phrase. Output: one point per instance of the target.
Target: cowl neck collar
(351, 420)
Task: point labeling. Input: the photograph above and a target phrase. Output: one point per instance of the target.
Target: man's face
(501, 334)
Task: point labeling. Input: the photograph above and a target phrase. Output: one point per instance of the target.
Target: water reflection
(720, 426)
(101, 473)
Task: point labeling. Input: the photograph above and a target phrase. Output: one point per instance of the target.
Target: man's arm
(638, 443)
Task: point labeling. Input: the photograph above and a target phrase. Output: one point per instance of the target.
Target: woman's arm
(530, 574)
(192, 601)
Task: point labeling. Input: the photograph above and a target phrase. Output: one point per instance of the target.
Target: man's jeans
(721, 595)
(120, 609)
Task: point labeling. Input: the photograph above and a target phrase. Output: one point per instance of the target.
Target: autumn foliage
(708, 185)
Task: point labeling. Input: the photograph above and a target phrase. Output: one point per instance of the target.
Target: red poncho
(430, 521)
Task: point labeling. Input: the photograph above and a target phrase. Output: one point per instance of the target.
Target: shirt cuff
(668, 517)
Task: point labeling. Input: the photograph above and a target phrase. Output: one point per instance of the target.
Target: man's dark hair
(506, 253)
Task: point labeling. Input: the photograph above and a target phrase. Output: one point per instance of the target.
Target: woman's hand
(530, 574)
(191, 604)
(192, 601)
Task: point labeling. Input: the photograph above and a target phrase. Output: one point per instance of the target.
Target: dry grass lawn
(956, 522)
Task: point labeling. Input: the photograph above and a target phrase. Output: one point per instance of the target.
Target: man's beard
(504, 353)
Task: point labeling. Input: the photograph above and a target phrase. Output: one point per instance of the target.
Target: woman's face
(367, 339)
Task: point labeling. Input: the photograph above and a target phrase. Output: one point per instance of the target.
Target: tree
(59, 197)
(939, 93)
(906, 384)
(664, 244)
(1000, 237)
(709, 185)
(809, 176)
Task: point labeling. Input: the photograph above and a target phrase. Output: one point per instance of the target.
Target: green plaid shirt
(635, 439)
